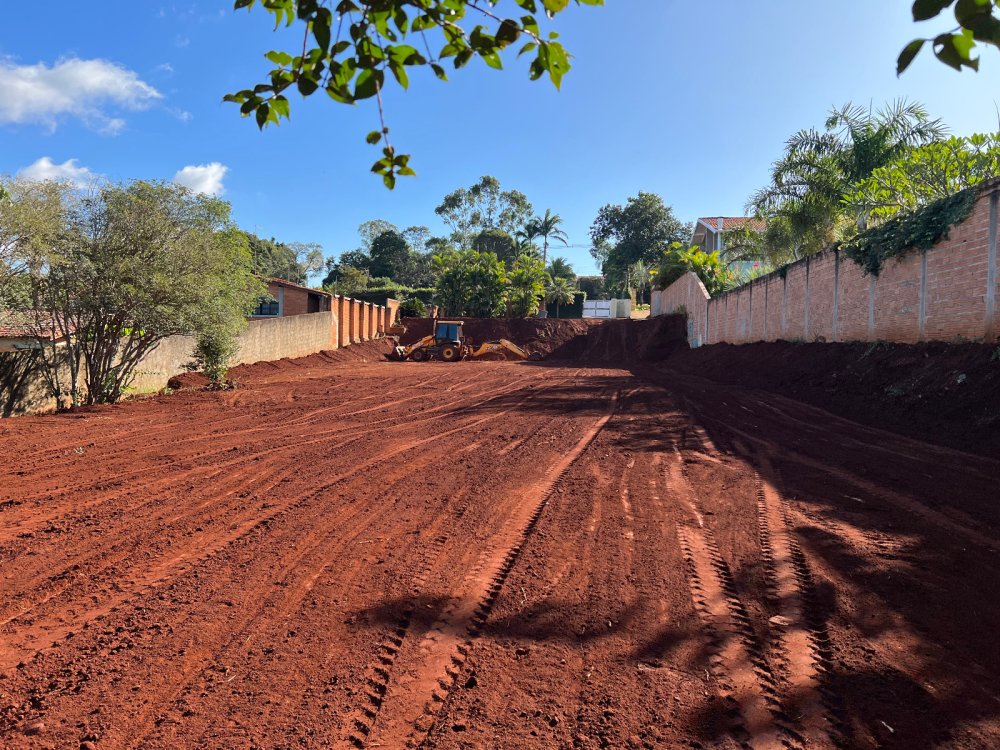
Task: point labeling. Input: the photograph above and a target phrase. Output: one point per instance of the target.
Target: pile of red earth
(612, 341)
(367, 351)
(938, 392)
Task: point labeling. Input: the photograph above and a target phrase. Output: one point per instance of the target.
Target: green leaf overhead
(977, 22)
(348, 45)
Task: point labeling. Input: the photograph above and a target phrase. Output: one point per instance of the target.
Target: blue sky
(664, 96)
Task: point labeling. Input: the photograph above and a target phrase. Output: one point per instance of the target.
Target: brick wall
(947, 293)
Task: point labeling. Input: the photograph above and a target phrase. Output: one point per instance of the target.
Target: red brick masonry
(947, 293)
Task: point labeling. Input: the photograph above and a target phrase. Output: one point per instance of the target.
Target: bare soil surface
(346, 554)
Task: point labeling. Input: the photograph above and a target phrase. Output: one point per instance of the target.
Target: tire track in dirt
(414, 698)
(118, 548)
(295, 442)
(737, 661)
(900, 500)
(332, 536)
(216, 470)
(193, 662)
(802, 641)
(157, 575)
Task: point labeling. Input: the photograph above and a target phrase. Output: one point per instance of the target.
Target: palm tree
(638, 277)
(817, 169)
(561, 268)
(547, 227)
(525, 238)
(559, 291)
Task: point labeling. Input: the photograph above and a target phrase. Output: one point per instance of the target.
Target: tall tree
(293, 262)
(637, 231)
(560, 268)
(370, 230)
(547, 228)
(390, 255)
(817, 169)
(496, 241)
(483, 205)
(133, 265)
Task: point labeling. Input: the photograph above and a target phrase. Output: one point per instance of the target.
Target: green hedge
(568, 311)
(919, 230)
(379, 295)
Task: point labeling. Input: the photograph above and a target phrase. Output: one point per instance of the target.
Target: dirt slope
(491, 555)
(945, 393)
(611, 341)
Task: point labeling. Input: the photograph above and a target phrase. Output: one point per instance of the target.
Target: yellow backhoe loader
(449, 345)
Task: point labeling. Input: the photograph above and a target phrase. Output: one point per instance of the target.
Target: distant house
(708, 236)
(19, 332)
(285, 299)
(708, 232)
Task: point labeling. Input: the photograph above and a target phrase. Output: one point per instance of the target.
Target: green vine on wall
(920, 230)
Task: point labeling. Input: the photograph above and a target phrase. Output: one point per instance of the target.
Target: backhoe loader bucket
(399, 353)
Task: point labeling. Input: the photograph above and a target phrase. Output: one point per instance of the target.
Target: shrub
(412, 308)
(213, 353)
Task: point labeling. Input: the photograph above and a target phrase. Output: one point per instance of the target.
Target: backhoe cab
(449, 345)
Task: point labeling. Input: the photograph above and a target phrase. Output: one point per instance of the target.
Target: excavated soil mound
(368, 351)
(544, 335)
(943, 393)
(614, 341)
(188, 380)
(627, 341)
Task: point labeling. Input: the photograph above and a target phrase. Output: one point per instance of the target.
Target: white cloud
(203, 178)
(72, 87)
(166, 68)
(68, 171)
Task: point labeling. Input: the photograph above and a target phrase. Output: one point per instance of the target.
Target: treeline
(875, 182)
(98, 278)
(494, 260)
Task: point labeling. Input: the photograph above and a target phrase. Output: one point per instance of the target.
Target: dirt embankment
(367, 351)
(615, 341)
(535, 334)
(944, 393)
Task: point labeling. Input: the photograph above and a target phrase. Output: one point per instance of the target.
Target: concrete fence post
(805, 316)
(342, 323)
(990, 322)
(922, 305)
(836, 296)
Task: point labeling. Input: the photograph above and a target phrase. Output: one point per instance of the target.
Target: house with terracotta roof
(708, 232)
(285, 299)
(19, 332)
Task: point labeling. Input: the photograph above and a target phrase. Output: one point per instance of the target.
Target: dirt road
(491, 555)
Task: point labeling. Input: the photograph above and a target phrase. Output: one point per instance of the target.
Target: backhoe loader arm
(490, 347)
(403, 352)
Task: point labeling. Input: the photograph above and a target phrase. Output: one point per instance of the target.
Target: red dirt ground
(491, 555)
